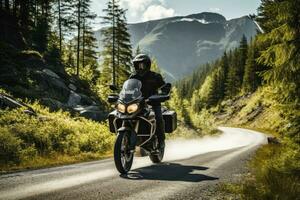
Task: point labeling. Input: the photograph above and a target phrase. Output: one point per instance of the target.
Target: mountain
(180, 44)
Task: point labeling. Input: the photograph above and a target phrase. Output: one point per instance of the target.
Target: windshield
(131, 90)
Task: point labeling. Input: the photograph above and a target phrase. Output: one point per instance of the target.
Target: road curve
(189, 170)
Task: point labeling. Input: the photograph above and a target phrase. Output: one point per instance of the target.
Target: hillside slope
(201, 37)
(27, 75)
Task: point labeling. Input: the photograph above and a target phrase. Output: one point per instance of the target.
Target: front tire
(158, 157)
(122, 155)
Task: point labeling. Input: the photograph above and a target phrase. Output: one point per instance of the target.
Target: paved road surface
(190, 170)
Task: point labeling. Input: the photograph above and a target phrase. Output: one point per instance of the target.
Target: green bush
(25, 138)
(10, 148)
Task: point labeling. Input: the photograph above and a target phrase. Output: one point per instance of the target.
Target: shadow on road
(169, 172)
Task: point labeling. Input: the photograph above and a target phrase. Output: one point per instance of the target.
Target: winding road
(190, 170)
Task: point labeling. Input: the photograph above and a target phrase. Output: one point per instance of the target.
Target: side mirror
(113, 98)
(113, 87)
(166, 88)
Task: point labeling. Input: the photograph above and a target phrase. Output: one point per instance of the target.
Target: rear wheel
(158, 157)
(122, 155)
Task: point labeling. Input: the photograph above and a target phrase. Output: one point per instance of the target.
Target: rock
(255, 113)
(273, 140)
(32, 59)
(91, 112)
(72, 80)
(59, 84)
(72, 87)
(94, 115)
(85, 100)
(52, 87)
(52, 104)
(9, 75)
(58, 69)
(74, 99)
(51, 73)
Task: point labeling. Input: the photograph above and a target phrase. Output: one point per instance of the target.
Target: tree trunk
(1, 6)
(24, 14)
(78, 38)
(7, 5)
(59, 24)
(113, 47)
(118, 60)
(15, 5)
(83, 43)
(36, 12)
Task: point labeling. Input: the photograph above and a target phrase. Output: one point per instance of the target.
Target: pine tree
(233, 79)
(188, 85)
(213, 96)
(78, 14)
(109, 37)
(117, 53)
(65, 19)
(137, 51)
(42, 31)
(281, 21)
(70, 61)
(89, 54)
(242, 57)
(251, 76)
(59, 6)
(124, 49)
(224, 67)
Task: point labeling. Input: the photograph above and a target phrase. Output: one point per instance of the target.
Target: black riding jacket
(151, 82)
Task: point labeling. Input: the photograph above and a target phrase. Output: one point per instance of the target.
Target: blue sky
(143, 10)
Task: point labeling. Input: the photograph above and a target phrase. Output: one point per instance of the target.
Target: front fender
(124, 129)
(131, 135)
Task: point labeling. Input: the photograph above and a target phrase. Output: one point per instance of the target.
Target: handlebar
(158, 98)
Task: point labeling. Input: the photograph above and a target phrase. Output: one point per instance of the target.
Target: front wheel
(157, 157)
(122, 155)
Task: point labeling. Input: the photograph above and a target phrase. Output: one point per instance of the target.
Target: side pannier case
(170, 118)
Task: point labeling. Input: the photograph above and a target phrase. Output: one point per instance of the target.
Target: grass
(56, 159)
(53, 138)
(275, 168)
(274, 174)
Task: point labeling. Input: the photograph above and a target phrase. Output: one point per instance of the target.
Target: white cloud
(162, 2)
(157, 12)
(135, 6)
(215, 9)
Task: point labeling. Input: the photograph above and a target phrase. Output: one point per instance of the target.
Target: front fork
(128, 129)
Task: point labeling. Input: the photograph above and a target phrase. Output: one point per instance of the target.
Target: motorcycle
(133, 121)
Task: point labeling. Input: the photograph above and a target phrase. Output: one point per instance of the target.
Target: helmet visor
(140, 67)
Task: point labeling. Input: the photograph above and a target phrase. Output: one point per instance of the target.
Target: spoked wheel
(158, 157)
(122, 154)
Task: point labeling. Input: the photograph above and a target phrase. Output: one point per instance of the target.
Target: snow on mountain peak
(203, 21)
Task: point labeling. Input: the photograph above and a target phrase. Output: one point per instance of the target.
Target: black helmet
(141, 64)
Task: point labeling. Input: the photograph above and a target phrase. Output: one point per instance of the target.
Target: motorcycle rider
(151, 83)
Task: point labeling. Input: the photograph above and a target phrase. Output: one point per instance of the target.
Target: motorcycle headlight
(121, 108)
(132, 108)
